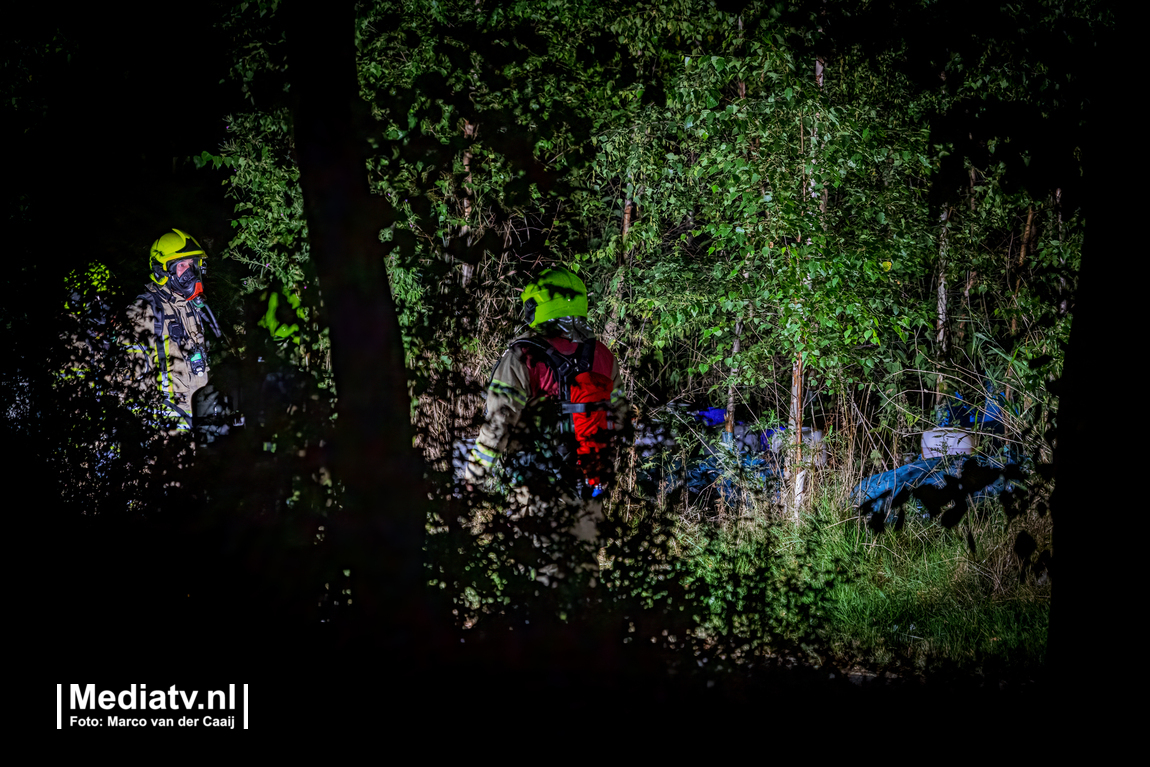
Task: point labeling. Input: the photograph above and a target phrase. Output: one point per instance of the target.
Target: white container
(939, 442)
(814, 449)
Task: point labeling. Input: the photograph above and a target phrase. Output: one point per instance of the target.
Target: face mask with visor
(185, 277)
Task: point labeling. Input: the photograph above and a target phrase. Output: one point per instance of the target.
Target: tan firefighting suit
(520, 384)
(162, 373)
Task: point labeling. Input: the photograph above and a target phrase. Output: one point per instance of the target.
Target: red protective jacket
(523, 379)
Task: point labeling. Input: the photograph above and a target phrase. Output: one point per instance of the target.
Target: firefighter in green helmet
(554, 399)
(276, 320)
(82, 381)
(87, 311)
(166, 336)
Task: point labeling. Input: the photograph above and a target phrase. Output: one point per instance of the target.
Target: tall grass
(920, 598)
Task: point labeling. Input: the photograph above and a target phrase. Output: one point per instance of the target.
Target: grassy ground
(920, 598)
(922, 595)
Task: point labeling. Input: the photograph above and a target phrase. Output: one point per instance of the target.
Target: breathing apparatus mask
(574, 328)
(185, 277)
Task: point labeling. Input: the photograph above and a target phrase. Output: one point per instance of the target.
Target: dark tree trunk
(378, 532)
(1089, 575)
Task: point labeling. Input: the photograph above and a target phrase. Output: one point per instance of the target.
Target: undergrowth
(920, 597)
(752, 584)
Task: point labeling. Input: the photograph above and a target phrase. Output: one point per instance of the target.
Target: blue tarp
(882, 495)
(939, 480)
(708, 473)
(729, 465)
(712, 416)
(960, 413)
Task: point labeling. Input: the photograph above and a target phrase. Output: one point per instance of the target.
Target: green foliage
(754, 195)
(701, 178)
(754, 590)
(925, 597)
(712, 589)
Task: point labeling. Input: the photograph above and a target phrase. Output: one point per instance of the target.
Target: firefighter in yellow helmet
(555, 395)
(166, 337)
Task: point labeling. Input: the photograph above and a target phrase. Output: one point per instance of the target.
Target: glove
(476, 462)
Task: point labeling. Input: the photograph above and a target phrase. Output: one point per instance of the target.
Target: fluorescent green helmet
(556, 293)
(94, 279)
(279, 329)
(175, 246)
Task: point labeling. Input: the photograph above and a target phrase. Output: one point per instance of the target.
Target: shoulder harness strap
(566, 369)
(585, 355)
(161, 355)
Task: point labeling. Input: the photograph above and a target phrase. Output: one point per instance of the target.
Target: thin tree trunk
(795, 422)
(940, 324)
(1063, 305)
(730, 425)
(1027, 233)
(797, 476)
(741, 85)
(467, 271)
(960, 332)
(611, 331)
(849, 432)
(941, 339)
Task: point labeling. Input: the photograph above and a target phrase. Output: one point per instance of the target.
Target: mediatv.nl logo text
(137, 697)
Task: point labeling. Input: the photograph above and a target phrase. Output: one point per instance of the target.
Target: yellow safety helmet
(174, 246)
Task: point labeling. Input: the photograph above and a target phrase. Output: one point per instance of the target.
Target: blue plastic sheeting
(732, 465)
(721, 474)
(718, 466)
(885, 493)
(712, 416)
(963, 414)
(748, 439)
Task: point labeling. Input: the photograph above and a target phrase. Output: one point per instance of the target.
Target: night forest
(810, 233)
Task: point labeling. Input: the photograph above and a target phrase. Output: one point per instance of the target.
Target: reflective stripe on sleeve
(513, 393)
(483, 456)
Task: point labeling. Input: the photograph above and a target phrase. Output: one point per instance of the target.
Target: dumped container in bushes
(939, 442)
